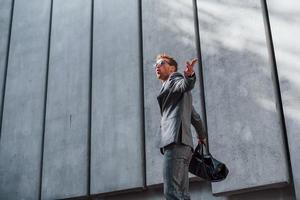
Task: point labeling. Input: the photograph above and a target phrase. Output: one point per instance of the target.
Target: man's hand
(189, 69)
(202, 141)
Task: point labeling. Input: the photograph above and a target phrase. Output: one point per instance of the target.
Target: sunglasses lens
(160, 63)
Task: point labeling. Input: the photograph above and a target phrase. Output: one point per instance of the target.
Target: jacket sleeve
(182, 83)
(198, 124)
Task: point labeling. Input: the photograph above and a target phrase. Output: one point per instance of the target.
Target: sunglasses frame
(161, 63)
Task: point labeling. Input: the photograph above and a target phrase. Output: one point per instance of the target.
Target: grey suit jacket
(177, 111)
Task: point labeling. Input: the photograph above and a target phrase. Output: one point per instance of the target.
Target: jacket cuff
(202, 136)
(191, 76)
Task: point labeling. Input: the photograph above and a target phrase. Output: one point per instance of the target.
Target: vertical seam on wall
(201, 71)
(142, 90)
(90, 101)
(6, 64)
(275, 77)
(45, 100)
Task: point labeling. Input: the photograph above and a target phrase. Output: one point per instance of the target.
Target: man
(178, 113)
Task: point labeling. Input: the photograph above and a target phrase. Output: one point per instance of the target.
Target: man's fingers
(190, 65)
(189, 68)
(194, 61)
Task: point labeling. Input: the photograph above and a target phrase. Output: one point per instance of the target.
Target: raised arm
(182, 83)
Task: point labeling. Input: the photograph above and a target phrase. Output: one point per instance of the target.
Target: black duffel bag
(207, 167)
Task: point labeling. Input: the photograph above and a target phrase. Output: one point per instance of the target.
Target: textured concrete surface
(284, 21)
(168, 26)
(244, 126)
(117, 132)
(5, 15)
(21, 137)
(65, 150)
(202, 191)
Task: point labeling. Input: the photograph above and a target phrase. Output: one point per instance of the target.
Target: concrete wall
(203, 191)
(78, 109)
(163, 32)
(240, 94)
(5, 16)
(67, 109)
(23, 109)
(284, 21)
(117, 122)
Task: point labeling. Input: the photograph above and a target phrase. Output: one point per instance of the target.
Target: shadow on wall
(289, 59)
(237, 73)
(248, 46)
(239, 88)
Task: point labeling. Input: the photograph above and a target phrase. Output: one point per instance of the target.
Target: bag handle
(200, 147)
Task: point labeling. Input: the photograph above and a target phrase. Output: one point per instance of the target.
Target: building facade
(79, 115)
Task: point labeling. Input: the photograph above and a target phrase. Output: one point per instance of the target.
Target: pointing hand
(189, 69)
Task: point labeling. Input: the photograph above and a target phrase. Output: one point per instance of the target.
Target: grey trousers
(175, 171)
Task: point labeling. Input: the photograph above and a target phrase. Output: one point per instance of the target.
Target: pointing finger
(194, 61)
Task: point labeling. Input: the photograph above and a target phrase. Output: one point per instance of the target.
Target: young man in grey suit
(177, 115)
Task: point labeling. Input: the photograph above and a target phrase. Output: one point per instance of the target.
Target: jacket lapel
(162, 87)
(160, 96)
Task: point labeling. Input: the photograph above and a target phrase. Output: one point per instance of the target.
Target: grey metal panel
(65, 163)
(244, 124)
(116, 151)
(5, 15)
(285, 21)
(168, 26)
(22, 127)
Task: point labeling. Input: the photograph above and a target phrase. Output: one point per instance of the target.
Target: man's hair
(171, 60)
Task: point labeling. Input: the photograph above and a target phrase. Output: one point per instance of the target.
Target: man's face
(163, 69)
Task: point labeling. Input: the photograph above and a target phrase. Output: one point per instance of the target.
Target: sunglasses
(162, 62)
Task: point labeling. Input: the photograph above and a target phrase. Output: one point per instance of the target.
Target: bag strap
(200, 149)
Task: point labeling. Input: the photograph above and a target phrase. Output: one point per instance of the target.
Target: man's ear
(173, 68)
